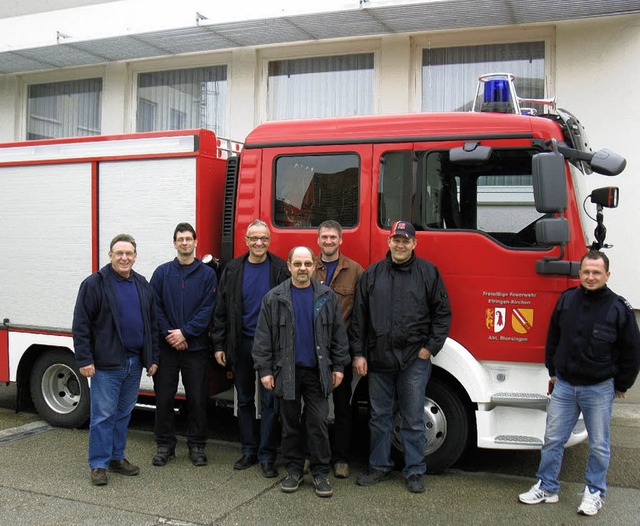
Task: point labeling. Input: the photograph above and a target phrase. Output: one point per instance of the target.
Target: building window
(320, 87)
(64, 109)
(310, 189)
(450, 75)
(183, 99)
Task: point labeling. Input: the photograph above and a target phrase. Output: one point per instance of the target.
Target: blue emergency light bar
(496, 93)
(496, 90)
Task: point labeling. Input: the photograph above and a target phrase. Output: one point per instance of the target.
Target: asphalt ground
(44, 480)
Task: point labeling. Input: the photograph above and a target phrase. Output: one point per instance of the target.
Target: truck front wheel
(446, 426)
(58, 390)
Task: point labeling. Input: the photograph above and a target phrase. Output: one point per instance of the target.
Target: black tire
(58, 390)
(446, 426)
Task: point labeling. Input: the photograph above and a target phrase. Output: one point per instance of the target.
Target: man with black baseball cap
(401, 318)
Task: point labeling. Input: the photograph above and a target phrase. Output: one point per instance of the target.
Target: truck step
(527, 400)
(520, 440)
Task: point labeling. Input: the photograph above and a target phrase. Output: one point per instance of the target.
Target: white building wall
(598, 79)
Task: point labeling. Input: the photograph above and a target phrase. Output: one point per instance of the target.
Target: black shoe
(245, 462)
(99, 476)
(373, 476)
(198, 456)
(268, 469)
(124, 467)
(415, 484)
(290, 483)
(163, 455)
(323, 487)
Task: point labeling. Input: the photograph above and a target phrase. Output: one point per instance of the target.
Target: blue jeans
(113, 396)
(596, 403)
(265, 443)
(408, 387)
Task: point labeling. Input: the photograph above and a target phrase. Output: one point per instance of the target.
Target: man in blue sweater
(114, 337)
(593, 356)
(185, 291)
(300, 351)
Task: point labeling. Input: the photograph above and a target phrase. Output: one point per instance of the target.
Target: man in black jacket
(401, 318)
(593, 356)
(244, 282)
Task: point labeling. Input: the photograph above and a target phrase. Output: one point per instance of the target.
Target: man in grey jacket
(300, 350)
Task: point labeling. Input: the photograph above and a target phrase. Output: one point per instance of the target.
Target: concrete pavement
(44, 481)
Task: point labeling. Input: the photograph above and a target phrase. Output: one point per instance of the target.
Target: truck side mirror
(549, 182)
(552, 231)
(607, 162)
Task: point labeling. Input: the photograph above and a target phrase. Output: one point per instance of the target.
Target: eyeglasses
(184, 240)
(125, 254)
(254, 239)
(300, 264)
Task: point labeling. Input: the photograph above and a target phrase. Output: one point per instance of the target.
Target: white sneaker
(591, 502)
(536, 495)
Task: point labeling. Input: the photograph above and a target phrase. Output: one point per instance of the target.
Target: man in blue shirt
(300, 351)
(114, 337)
(185, 291)
(341, 275)
(243, 284)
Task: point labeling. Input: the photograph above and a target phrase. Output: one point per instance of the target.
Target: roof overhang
(358, 22)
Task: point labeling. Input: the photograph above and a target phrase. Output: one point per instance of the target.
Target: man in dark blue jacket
(593, 357)
(114, 337)
(185, 290)
(400, 320)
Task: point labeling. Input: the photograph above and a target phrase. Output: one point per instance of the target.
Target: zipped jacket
(593, 336)
(274, 342)
(96, 330)
(399, 309)
(227, 324)
(344, 283)
(185, 296)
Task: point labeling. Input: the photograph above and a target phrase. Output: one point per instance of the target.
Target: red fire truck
(500, 198)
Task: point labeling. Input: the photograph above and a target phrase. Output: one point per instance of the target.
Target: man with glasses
(185, 291)
(300, 351)
(244, 282)
(114, 337)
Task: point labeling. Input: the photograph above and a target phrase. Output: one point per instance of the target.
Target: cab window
(495, 197)
(310, 189)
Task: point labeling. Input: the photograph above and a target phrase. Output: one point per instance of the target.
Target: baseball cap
(403, 228)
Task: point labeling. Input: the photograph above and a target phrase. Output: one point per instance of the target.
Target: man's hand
(360, 365)
(88, 370)
(337, 378)
(424, 353)
(176, 339)
(152, 369)
(268, 382)
(620, 394)
(221, 358)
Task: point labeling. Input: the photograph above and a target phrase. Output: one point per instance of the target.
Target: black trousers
(341, 440)
(316, 406)
(195, 368)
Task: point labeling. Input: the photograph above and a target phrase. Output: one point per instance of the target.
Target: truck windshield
(495, 198)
